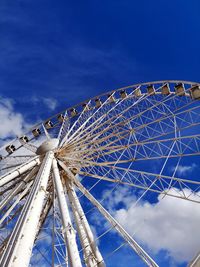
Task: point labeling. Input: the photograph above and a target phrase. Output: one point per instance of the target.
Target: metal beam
(6, 178)
(68, 230)
(17, 200)
(19, 247)
(18, 188)
(133, 244)
(92, 255)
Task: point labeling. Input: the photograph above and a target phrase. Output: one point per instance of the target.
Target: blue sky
(72, 50)
(54, 54)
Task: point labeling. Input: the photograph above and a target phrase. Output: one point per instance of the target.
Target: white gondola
(150, 89)
(137, 92)
(123, 94)
(98, 102)
(48, 124)
(85, 107)
(36, 132)
(24, 139)
(73, 112)
(195, 92)
(10, 149)
(60, 117)
(165, 89)
(180, 89)
(111, 98)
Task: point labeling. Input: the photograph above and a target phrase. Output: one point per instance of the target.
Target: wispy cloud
(12, 123)
(50, 103)
(185, 169)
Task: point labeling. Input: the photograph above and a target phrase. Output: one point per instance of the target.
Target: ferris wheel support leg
(92, 254)
(6, 178)
(68, 230)
(133, 244)
(19, 247)
(18, 188)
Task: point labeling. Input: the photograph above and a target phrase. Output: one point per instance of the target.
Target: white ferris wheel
(51, 178)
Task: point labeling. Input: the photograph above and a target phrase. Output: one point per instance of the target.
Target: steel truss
(108, 140)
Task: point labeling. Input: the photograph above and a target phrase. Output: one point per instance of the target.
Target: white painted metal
(18, 188)
(6, 178)
(19, 247)
(19, 197)
(94, 143)
(92, 255)
(48, 145)
(68, 230)
(134, 245)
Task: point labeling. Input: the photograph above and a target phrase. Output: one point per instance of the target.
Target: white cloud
(171, 224)
(121, 196)
(185, 169)
(12, 123)
(49, 102)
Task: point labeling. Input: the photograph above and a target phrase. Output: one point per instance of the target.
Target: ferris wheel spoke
(81, 127)
(146, 148)
(82, 119)
(133, 174)
(116, 135)
(109, 124)
(132, 118)
(157, 136)
(163, 110)
(141, 157)
(143, 180)
(112, 136)
(164, 124)
(117, 115)
(119, 134)
(184, 146)
(96, 124)
(85, 163)
(166, 117)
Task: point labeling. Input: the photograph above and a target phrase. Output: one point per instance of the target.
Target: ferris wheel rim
(134, 86)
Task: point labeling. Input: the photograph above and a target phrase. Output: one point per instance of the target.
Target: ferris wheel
(53, 176)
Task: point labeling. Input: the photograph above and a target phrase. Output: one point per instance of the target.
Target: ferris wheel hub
(47, 145)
